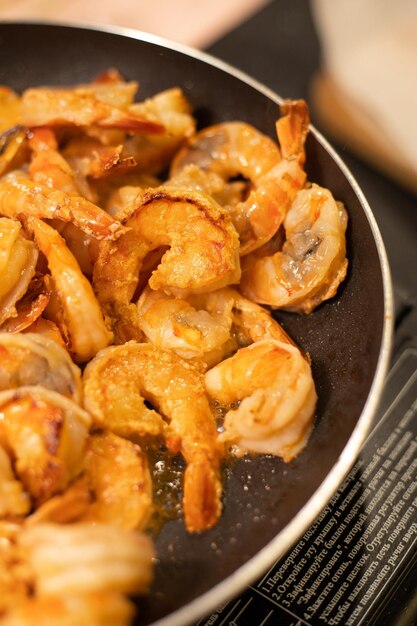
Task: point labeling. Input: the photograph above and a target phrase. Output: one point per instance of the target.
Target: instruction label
(355, 551)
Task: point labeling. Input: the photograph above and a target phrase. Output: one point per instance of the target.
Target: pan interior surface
(343, 336)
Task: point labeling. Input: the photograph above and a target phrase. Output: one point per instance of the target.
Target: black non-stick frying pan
(267, 504)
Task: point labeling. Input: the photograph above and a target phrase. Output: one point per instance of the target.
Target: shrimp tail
(202, 491)
(292, 129)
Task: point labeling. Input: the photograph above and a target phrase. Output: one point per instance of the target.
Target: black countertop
(279, 47)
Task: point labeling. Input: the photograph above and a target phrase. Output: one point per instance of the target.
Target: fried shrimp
(87, 558)
(250, 322)
(15, 575)
(31, 359)
(29, 307)
(206, 327)
(18, 257)
(94, 609)
(47, 166)
(118, 477)
(119, 381)
(81, 106)
(45, 435)
(76, 311)
(19, 195)
(12, 145)
(10, 108)
(193, 333)
(235, 148)
(14, 501)
(273, 384)
(312, 262)
(203, 254)
(153, 152)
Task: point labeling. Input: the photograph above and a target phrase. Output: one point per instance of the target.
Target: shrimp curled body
(235, 148)
(312, 262)
(77, 312)
(273, 383)
(31, 359)
(45, 435)
(117, 383)
(203, 253)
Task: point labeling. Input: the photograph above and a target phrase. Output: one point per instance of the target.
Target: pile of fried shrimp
(141, 259)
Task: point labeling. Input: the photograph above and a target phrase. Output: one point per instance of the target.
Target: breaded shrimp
(31, 359)
(192, 332)
(12, 146)
(19, 195)
(116, 385)
(15, 575)
(81, 106)
(94, 609)
(153, 152)
(18, 257)
(203, 254)
(207, 327)
(77, 312)
(118, 476)
(273, 383)
(14, 501)
(236, 148)
(45, 435)
(30, 306)
(87, 558)
(312, 262)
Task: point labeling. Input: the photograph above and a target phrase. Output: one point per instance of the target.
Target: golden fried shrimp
(18, 257)
(66, 507)
(76, 311)
(30, 359)
(273, 384)
(203, 254)
(229, 149)
(46, 328)
(94, 609)
(15, 574)
(292, 129)
(45, 434)
(251, 322)
(153, 152)
(87, 558)
(14, 501)
(30, 307)
(47, 166)
(227, 193)
(19, 195)
(118, 477)
(10, 108)
(84, 106)
(205, 327)
(235, 148)
(91, 159)
(174, 324)
(116, 385)
(312, 262)
(114, 397)
(12, 144)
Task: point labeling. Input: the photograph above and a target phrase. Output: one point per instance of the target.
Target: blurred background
(365, 93)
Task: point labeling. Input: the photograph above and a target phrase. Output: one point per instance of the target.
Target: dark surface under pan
(344, 336)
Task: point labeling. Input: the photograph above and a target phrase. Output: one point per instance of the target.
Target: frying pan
(267, 504)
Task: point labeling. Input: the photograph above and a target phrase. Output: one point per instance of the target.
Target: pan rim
(274, 549)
